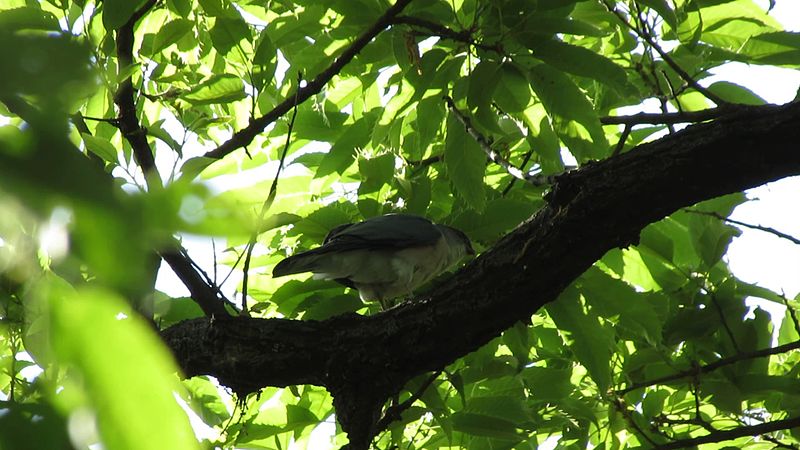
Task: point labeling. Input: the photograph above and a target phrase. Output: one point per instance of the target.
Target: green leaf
(466, 163)
(171, 33)
(482, 82)
(343, 151)
(499, 217)
(180, 7)
(789, 330)
(100, 147)
(297, 418)
(653, 403)
(375, 172)
(228, 32)
(485, 425)
(732, 92)
(217, 89)
(574, 118)
(264, 60)
(28, 18)
(612, 297)
(548, 384)
(192, 167)
(663, 9)
(581, 61)
(117, 12)
(591, 343)
(32, 425)
(513, 92)
(140, 378)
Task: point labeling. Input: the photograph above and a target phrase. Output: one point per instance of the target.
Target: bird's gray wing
(389, 232)
(383, 232)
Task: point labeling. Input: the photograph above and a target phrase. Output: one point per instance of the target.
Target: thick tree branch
(603, 205)
(246, 135)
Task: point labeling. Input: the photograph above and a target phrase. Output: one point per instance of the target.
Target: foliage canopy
(259, 126)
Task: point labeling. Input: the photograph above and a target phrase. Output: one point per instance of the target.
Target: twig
(665, 118)
(113, 121)
(128, 123)
(393, 412)
(626, 413)
(623, 137)
(725, 325)
(778, 443)
(696, 370)
(246, 135)
(429, 161)
(486, 145)
(511, 183)
(273, 189)
(666, 57)
(746, 225)
(439, 30)
(726, 435)
(791, 311)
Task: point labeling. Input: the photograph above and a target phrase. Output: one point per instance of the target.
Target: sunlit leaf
(125, 372)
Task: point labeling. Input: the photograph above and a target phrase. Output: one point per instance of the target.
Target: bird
(383, 257)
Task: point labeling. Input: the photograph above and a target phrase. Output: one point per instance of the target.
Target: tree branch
(713, 366)
(371, 357)
(726, 435)
(127, 122)
(645, 35)
(770, 230)
(665, 118)
(210, 301)
(246, 135)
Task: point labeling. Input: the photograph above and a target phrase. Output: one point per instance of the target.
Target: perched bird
(383, 257)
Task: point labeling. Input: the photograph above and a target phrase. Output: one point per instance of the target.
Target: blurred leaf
(28, 18)
(140, 378)
(117, 12)
(32, 426)
(33, 64)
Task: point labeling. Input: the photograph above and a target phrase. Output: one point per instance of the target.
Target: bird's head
(458, 244)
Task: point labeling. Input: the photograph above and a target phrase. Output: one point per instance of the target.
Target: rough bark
(363, 360)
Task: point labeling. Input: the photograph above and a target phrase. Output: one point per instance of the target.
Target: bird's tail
(299, 263)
